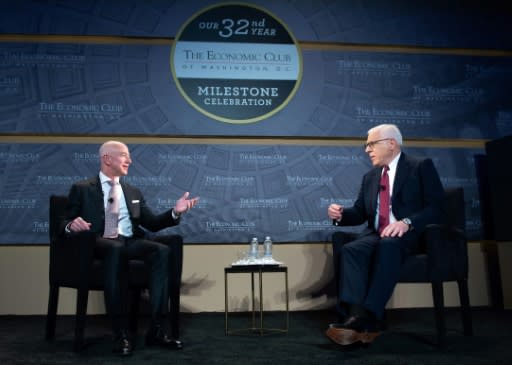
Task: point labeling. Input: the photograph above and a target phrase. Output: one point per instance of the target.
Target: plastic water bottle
(267, 245)
(253, 249)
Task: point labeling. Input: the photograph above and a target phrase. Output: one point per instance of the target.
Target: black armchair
(443, 257)
(72, 265)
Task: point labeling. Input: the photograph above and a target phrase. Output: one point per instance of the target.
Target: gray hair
(388, 131)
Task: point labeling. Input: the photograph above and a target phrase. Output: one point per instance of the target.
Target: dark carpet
(408, 339)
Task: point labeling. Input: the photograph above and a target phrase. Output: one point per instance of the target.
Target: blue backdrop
(459, 89)
(281, 191)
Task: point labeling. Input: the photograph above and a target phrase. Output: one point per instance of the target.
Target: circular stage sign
(236, 63)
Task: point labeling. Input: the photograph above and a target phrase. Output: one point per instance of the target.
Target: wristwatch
(408, 222)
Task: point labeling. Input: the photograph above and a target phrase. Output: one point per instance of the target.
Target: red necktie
(384, 200)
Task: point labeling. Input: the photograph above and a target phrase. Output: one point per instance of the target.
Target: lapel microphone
(110, 200)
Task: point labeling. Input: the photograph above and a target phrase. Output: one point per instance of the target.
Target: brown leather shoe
(344, 336)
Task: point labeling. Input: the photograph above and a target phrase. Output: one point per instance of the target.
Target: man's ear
(106, 159)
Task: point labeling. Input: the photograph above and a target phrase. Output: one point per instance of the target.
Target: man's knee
(390, 247)
(339, 239)
(110, 252)
(154, 250)
(173, 242)
(163, 250)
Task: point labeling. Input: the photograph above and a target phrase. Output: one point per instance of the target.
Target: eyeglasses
(373, 143)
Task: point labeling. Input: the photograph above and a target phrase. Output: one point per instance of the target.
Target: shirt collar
(104, 178)
(392, 165)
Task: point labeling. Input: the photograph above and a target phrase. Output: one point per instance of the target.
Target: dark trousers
(175, 266)
(367, 268)
(115, 254)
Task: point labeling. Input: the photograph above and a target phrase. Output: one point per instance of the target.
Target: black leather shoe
(123, 346)
(158, 337)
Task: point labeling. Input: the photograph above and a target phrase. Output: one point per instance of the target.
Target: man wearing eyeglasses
(90, 208)
(398, 197)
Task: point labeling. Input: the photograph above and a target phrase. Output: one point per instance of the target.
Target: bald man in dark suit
(87, 210)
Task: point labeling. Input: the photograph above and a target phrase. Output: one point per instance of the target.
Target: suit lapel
(402, 170)
(374, 189)
(97, 193)
(128, 197)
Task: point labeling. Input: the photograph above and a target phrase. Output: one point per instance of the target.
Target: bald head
(114, 158)
(111, 146)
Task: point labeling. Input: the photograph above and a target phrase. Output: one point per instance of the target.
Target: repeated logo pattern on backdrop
(281, 191)
(227, 55)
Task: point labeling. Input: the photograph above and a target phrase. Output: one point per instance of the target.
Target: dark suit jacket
(417, 194)
(86, 201)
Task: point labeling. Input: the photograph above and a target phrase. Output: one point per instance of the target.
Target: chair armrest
(446, 249)
(71, 258)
